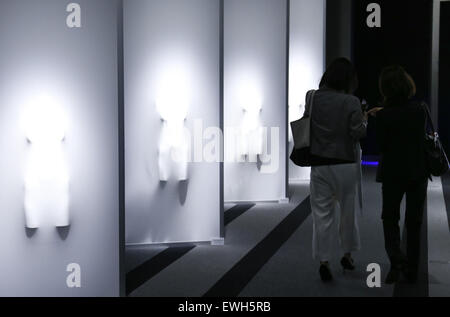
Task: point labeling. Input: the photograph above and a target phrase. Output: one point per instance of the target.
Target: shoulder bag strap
(428, 117)
(309, 102)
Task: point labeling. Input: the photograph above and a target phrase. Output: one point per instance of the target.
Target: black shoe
(325, 273)
(347, 264)
(393, 276)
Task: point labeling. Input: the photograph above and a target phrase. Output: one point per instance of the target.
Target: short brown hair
(396, 86)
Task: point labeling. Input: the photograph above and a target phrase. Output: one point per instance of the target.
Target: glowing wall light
(251, 140)
(46, 173)
(172, 105)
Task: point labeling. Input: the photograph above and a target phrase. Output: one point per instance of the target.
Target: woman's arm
(358, 120)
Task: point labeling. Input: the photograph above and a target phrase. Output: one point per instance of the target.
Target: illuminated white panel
(59, 118)
(306, 63)
(255, 53)
(172, 81)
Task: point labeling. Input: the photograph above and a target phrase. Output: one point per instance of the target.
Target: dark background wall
(404, 39)
(444, 76)
(339, 35)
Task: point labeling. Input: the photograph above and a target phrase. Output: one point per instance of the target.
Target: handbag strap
(435, 134)
(428, 117)
(310, 101)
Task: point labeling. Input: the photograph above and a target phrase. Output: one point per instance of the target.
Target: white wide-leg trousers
(334, 191)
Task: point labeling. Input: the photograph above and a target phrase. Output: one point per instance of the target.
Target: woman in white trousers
(338, 122)
(336, 191)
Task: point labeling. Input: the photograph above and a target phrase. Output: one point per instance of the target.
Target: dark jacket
(337, 124)
(401, 140)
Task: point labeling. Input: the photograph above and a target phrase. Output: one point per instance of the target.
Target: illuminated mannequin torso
(252, 133)
(46, 176)
(174, 144)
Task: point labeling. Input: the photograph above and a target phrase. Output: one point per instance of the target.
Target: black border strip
(144, 272)
(235, 280)
(235, 212)
(149, 269)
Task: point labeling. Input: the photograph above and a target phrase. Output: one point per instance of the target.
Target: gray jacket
(337, 125)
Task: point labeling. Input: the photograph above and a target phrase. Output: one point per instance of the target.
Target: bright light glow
(45, 122)
(304, 75)
(250, 97)
(46, 174)
(302, 78)
(172, 105)
(172, 100)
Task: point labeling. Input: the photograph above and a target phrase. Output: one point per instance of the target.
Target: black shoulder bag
(301, 132)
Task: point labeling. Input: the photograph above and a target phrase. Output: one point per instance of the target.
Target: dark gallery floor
(267, 253)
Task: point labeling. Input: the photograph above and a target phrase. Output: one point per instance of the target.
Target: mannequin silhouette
(46, 175)
(174, 143)
(251, 131)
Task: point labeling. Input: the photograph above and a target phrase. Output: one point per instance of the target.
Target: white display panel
(172, 95)
(59, 185)
(306, 63)
(255, 82)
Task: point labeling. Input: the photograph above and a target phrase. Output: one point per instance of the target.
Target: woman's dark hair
(396, 86)
(340, 75)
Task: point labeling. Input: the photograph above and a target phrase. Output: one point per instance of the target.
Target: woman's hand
(373, 112)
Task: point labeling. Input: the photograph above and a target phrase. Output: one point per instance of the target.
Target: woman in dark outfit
(401, 126)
